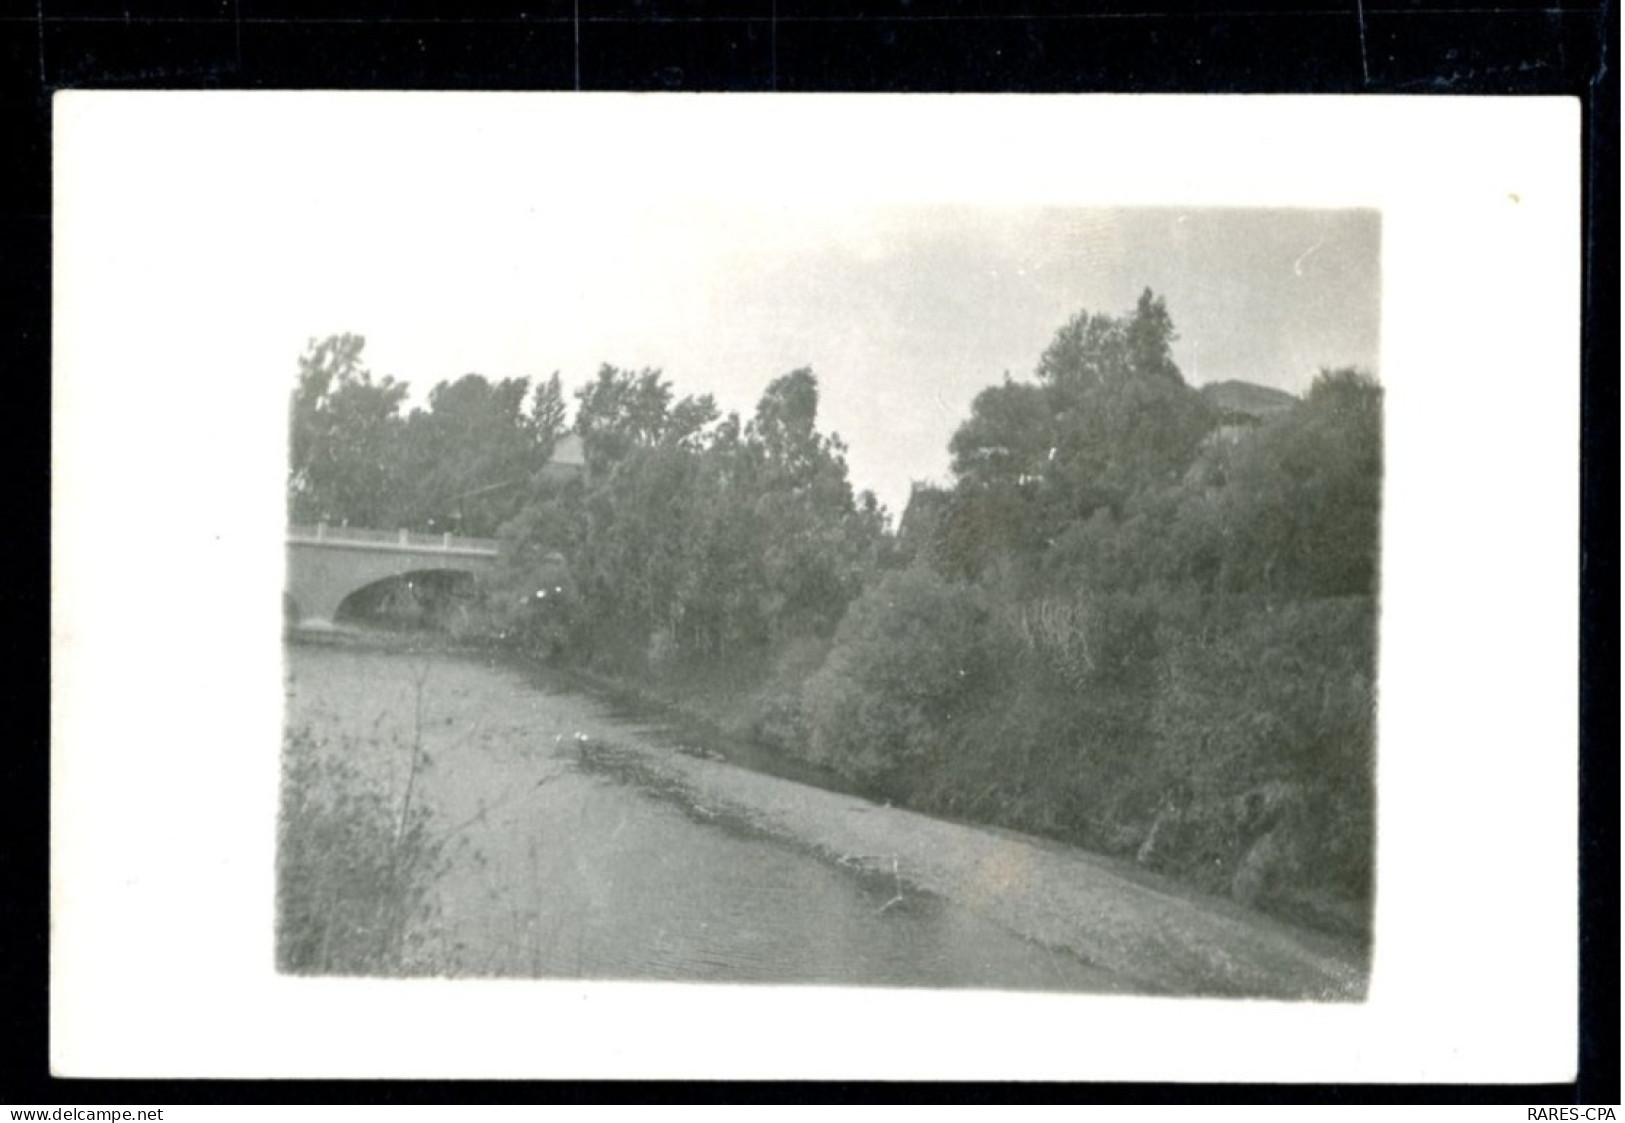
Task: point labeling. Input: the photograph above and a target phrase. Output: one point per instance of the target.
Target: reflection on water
(576, 871)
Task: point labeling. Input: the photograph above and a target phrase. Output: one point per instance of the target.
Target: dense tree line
(1136, 619)
(689, 534)
(692, 536)
(466, 463)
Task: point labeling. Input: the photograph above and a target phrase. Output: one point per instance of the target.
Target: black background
(937, 46)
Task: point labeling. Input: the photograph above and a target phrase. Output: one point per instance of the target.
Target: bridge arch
(326, 565)
(415, 596)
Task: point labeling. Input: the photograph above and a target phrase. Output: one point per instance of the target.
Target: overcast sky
(904, 313)
(910, 252)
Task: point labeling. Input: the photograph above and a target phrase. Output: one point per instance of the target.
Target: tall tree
(469, 456)
(818, 539)
(1000, 457)
(1108, 418)
(547, 412)
(1125, 420)
(344, 435)
(622, 409)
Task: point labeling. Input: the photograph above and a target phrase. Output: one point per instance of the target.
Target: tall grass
(356, 861)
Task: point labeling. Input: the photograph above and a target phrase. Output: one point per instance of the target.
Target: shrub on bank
(356, 864)
(1228, 741)
(780, 720)
(913, 661)
(1057, 749)
(1265, 729)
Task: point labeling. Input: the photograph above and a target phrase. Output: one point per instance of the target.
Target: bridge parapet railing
(455, 542)
(323, 532)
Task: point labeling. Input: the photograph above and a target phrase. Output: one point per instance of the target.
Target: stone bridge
(327, 564)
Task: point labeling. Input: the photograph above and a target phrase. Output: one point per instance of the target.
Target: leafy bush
(1065, 744)
(1265, 725)
(1302, 505)
(780, 720)
(1228, 741)
(912, 661)
(356, 865)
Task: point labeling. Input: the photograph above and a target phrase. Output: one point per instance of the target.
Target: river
(575, 859)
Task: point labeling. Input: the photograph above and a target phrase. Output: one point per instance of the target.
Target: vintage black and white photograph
(754, 557)
(894, 596)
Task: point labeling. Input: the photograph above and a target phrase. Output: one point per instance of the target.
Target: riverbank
(729, 704)
(1160, 936)
(567, 861)
(1157, 936)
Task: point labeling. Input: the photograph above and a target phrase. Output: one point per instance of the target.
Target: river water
(572, 863)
